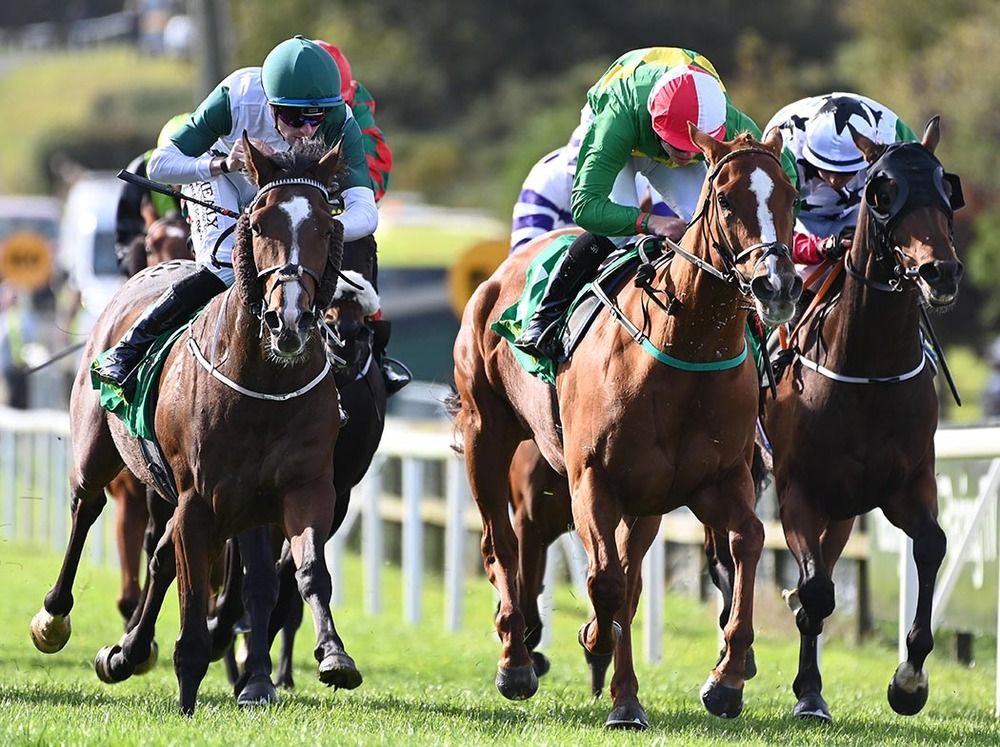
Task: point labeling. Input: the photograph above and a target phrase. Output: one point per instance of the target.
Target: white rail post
(546, 600)
(908, 589)
(371, 537)
(413, 545)
(8, 480)
(457, 497)
(654, 567)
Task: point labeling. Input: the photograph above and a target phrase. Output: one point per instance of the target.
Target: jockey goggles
(297, 116)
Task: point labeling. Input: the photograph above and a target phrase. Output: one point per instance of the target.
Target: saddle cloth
(612, 276)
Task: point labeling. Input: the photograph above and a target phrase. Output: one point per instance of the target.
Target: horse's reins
(286, 273)
(730, 257)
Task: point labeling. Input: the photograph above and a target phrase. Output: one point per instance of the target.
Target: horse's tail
(453, 406)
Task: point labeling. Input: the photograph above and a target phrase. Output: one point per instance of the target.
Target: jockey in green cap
(294, 95)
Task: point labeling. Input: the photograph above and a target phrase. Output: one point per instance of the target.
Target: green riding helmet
(299, 72)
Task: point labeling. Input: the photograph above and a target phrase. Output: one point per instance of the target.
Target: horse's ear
(773, 141)
(148, 211)
(329, 164)
(871, 150)
(259, 167)
(709, 146)
(932, 134)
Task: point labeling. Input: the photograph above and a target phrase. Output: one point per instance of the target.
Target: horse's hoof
(107, 672)
(598, 663)
(284, 681)
(49, 632)
(259, 690)
(540, 662)
(147, 666)
(630, 716)
(517, 683)
(339, 671)
(908, 690)
(721, 701)
(749, 667)
(812, 706)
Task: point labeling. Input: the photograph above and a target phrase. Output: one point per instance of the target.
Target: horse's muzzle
(939, 281)
(777, 290)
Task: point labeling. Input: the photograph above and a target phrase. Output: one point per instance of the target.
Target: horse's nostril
(272, 319)
(307, 320)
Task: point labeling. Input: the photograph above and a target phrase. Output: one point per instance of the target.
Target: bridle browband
(731, 275)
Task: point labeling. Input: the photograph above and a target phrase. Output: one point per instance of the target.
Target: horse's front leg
(597, 514)
(908, 689)
(308, 515)
(813, 599)
(260, 592)
(194, 550)
(635, 536)
(489, 442)
(728, 506)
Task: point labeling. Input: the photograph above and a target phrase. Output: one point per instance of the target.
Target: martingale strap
(646, 344)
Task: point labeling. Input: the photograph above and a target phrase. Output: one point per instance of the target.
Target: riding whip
(164, 189)
(61, 354)
(940, 354)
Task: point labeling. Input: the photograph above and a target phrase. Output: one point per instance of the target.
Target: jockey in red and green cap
(636, 117)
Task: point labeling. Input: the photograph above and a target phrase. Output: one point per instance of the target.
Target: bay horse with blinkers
(853, 425)
(249, 437)
(644, 428)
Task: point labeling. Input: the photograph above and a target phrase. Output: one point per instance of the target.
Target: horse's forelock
(300, 160)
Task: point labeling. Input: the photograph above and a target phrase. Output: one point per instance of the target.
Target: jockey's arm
(186, 158)
(360, 216)
(605, 150)
(807, 249)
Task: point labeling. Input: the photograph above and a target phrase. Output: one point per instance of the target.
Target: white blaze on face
(762, 185)
(297, 210)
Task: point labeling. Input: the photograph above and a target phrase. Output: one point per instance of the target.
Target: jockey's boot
(578, 265)
(395, 374)
(175, 304)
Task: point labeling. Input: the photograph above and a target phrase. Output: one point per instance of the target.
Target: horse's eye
(255, 227)
(724, 201)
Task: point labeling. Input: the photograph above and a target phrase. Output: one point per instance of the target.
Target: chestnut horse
(639, 431)
(853, 425)
(246, 417)
(165, 239)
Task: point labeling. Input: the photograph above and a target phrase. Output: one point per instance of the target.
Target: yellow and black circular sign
(26, 260)
(472, 267)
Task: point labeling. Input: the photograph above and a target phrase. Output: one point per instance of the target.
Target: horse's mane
(295, 162)
(300, 158)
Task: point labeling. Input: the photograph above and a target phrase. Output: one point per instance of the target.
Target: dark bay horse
(642, 430)
(249, 438)
(351, 344)
(853, 425)
(164, 239)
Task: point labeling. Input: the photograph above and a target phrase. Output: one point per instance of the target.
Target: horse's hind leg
(542, 512)
(307, 519)
(260, 592)
(131, 518)
(97, 462)
(908, 689)
(490, 437)
(286, 619)
(136, 652)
